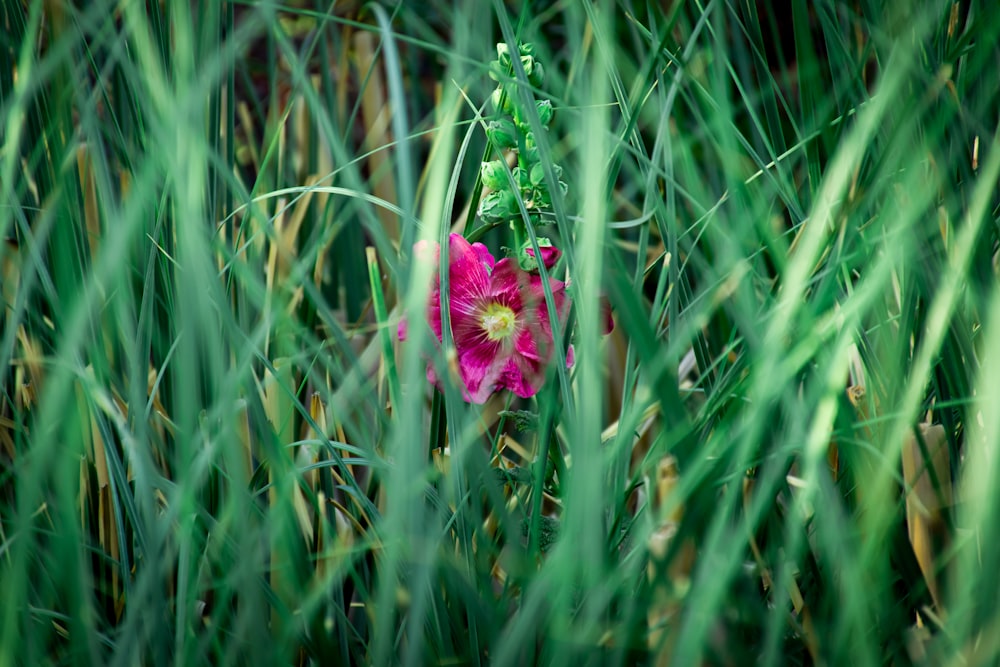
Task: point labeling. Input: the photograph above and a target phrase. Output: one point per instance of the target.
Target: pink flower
(499, 319)
(550, 254)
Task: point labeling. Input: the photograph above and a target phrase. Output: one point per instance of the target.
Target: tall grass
(214, 450)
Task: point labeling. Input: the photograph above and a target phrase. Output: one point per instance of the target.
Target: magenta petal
(484, 255)
(467, 274)
(550, 255)
(401, 329)
(432, 376)
(434, 312)
(426, 251)
(468, 334)
(526, 346)
(537, 292)
(524, 373)
(479, 389)
(506, 284)
(569, 357)
(540, 307)
(524, 384)
(480, 363)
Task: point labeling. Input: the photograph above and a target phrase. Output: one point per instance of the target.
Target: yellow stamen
(498, 321)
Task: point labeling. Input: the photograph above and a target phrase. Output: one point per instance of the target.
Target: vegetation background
(214, 451)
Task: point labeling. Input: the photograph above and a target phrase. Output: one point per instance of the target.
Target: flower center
(497, 321)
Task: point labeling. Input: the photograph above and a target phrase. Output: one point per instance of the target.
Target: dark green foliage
(213, 450)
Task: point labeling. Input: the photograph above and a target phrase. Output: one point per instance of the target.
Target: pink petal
(540, 307)
(467, 274)
(401, 329)
(507, 283)
(432, 376)
(426, 251)
(467, 330)
(550, 255)
(537, 292)
(484, 255)
(434, 312)
(524, 373)
(526, 344)
(479, 390)
(520, 380)
(480, 363)
(468, 277)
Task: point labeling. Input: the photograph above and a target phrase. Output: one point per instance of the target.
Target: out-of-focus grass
(214, 451)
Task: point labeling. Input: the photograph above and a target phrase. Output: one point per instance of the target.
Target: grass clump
(214, 447)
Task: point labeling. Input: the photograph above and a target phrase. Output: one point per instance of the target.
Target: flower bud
(537, 74)
(502, 133)
(493, 175)
(497, 206)
(529, 141)
(541, 197)
(537, 174)
(550, 254)
(521, 178)
(544, 108)
(528, 63)
(498, 97)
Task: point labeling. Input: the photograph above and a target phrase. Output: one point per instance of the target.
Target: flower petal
(520, 377)
(468, 276)
(432, 375)
(426, 251)
(539, 307)
(484, 255)
(550, 255)
(507, 283)
(524, 372)
(434, 312)
(480, 362)
(526, 344)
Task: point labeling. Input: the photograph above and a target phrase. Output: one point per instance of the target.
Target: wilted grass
(214, 449)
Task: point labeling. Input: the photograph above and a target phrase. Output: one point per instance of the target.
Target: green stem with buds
(511, 131)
